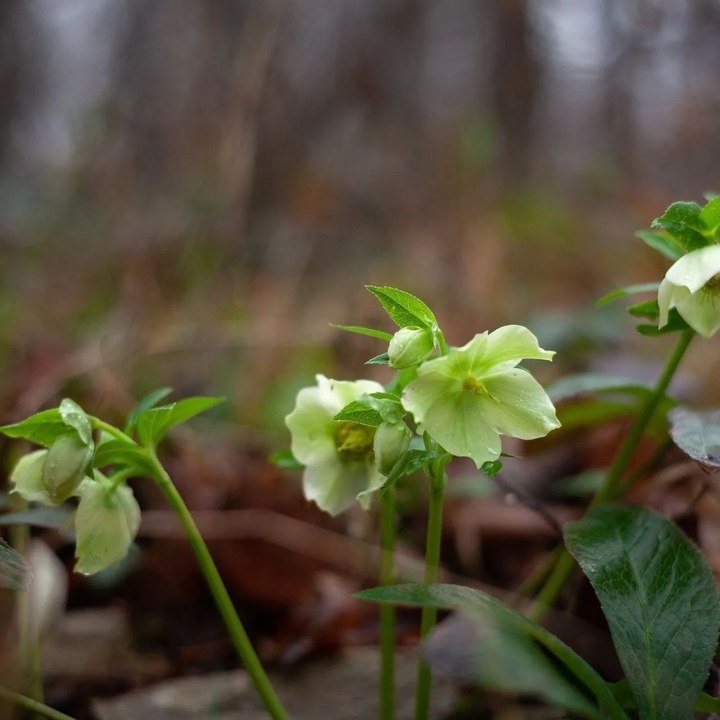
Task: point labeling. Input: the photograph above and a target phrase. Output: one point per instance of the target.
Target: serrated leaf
(119, 452)
(697, 434)
(14, 569)
(662, 242)
(455, 597)
(43, 428)
(660, 601)
(286, 460)
(584, 383)
(40, 516)
(381, 359)
(682, 220)
(403, 308)
(710, 216)
(358, 412)
(153, 424)
(146, 403)
(359, 330)
(624, 292)
(372, 410)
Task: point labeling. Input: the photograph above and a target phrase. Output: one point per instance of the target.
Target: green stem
(99, 424)
(387, 612)
(432, 565)
(222, 599)
(33, 705)
(612, 486)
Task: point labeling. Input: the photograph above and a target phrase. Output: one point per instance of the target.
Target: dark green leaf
(14, 570)
(286, 460)
(119, 452)
(697, 433)
(149, 401)
(662, 242)
(682, 220)
(40, 516)
(382, 359)
(359, 412)
(358, 330)
(456, 597)
(705, 703)
(660, 601)
(649, 310)
(710, 215)
(372, 410)
(153, 424)
(403, 308)
(629, 290)
(43, 428)
(491, 468)
(411, 462)
(675, 323)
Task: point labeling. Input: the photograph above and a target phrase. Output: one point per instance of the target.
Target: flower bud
(65, 465)
(27, 477)
(391, 442)
(410, 346)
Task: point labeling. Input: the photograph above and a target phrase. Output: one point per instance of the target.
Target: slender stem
(387, 612)
(99, 424)
(33, 705)
(222, 599)
(432, 564)
(612, 486)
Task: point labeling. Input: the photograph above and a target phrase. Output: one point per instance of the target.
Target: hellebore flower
(466, 399)
(106, 523)
(692, 285)
(338, 456)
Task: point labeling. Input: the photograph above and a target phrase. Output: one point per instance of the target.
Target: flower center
(476, 386)
(713, 284)
(353, 441)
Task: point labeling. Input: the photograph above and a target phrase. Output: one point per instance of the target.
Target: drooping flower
(338, 456)
(466, 399)
(106, 523)
(692, 285)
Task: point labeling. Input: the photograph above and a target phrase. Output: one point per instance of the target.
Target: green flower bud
(65, 465)
(391, 443)
(27, 478)
(410, 346)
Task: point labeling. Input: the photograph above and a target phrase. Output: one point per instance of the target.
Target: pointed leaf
(710, 215)
(149, 401)
(675, 323)
(369, 332)
(660, 601)
(382, 359)
(43, 428)
(697, 434)
(649, 310)
(682, 220)
(624, 292)
(153, 424)
(664, 243)
(403, 308)
(456, 597)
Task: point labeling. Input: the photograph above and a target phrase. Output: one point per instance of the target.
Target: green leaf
(675, 323)
(286, 460)
(381, 359)
(153, 424)
(455, 597)
(120, 452)
(358, 412)
(649, 310)
(710, 216)
(74, 416)
(149, 401)
(358, 330)
(629, 290)
(662, 242)
(491, 468)
(409, 463)
(660, 601)
(41, 516)
(43, 428)
(372, 410)
(705, 703)
(403, 308)
(682, 220)
(697, 434)
(14, 570)
(585, 383)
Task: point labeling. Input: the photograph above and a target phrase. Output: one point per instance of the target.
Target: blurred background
(192, 190)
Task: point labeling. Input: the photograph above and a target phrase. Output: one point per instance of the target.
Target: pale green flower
(106, 523)
(466, 399)
(692, 285)
(338, 456)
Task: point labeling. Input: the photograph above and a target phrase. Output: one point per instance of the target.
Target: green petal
(458, 363)
(106, 523)
(509, 345)
(335, 486)
(521, 408)
(27, 478)
(458, 419)
(700, 311)
(695, 269)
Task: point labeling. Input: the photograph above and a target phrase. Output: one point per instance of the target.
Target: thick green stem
(432, 565)
(613, 484)
(387, 612)
(222, 599)
(33, 705)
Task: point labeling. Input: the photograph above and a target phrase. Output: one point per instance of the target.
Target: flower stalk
(387, 612)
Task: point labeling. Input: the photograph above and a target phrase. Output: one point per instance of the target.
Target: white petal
(696, 268)
(700, 311)
(666, 300)
(334, 485)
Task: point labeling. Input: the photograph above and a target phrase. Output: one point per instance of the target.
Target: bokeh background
(193, 189)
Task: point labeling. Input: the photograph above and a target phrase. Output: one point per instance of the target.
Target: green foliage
(662, 242)
(624, 292)
(369, 332)
(403, 308)
(683, 222)
(146, 403)
(660, 600)
(153, 424)
(43, 428)
(697, 433)
(372, 410)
